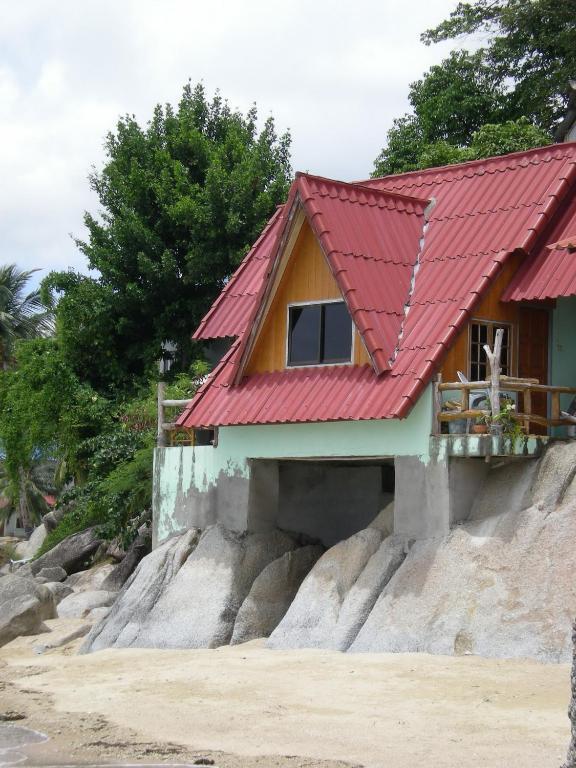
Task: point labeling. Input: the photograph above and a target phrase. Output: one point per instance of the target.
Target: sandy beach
(246, 706)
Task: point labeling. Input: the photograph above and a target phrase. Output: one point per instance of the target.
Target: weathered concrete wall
(329, 502)
(195, 487)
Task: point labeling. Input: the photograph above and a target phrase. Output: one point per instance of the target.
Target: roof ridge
(469, 163)
(424, 201)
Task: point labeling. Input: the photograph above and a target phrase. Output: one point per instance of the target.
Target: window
(483, 333)
(319, 334)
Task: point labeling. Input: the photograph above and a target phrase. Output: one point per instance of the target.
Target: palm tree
(22, 315)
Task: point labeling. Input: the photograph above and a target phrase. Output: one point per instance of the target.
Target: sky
(334, 73)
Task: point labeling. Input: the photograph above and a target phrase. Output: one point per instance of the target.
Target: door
(533, 335)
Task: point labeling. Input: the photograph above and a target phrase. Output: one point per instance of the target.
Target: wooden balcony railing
(524, 387)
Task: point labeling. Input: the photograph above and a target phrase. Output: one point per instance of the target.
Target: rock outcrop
(198, 607)
(70, 554)
(338, 594)
(571, 756)
(187, 593)
(135, 601)
(272, 593)
(24, 606)
(499, 585)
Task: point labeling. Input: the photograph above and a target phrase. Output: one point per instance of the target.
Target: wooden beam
(160, 434)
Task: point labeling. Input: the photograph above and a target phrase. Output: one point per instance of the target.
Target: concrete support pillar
(422, 498)
(432, 496)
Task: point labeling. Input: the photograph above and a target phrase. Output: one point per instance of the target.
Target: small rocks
(59, 590)
(70, 554)
(24, 606)
(79, 604)
(11, 716)
(54, 573)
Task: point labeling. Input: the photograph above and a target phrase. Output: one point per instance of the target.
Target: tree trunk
(23, 511)
(495, 371)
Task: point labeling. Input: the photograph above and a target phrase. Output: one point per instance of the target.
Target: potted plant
(480, 425)
(504, 422)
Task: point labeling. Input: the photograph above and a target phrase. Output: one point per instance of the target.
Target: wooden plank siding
(307, 277)
(489, 309)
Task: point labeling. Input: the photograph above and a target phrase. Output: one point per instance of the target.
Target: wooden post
(161, 435)
(436, 405)
(495, 370)
(555, 406)
(527, 403)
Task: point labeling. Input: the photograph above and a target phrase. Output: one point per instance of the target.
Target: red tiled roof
(371, 241)
(483, 211)
(551, 270)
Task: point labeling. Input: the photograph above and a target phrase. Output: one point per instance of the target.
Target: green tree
(182, 199)
(45, 415)
(22, 313)
(530, 46)
(506, 96)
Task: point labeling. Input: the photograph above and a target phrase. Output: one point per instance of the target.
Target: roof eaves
(226, 291)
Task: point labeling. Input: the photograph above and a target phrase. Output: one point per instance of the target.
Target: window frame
(493, 325)
(287, 339)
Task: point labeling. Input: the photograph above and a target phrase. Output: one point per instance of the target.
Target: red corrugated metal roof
(551, 271)
(371, 241)
(482, 212)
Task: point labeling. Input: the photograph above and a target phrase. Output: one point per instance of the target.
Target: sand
(246, 706)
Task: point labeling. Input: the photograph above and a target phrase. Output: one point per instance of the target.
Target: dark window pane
(337, 339)
(304, 340)
(474, 332)
(483, 334)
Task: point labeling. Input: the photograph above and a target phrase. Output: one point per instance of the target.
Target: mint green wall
(215, 480)
(563, 346)
(387, 437)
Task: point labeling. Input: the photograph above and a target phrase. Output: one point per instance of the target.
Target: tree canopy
(182, 199)
(506, 96)
(22, 313)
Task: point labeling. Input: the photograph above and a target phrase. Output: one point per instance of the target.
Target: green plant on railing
(506, 418)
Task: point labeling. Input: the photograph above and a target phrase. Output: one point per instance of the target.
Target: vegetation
(182, 199)
(22, 315)
(505, 97)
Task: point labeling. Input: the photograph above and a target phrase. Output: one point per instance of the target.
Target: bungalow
(351, 330)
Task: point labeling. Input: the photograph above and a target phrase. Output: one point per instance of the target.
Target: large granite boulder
(27, 549)
(198, 608)
(24, 606)
(187, 593)
(79, 604)
(70, 554)
(272, 593)
(59, 590)
(90, 579)
(140, 593)
(55, 573)
(571, 756)
(340, 591)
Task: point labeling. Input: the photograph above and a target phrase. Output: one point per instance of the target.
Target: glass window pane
(304, 340)
(483, 334)
(337, 339)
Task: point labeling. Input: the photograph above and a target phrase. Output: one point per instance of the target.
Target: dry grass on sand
(245, 706)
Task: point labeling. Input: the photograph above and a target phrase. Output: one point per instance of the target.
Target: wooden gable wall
(307, 278)
(490, 308)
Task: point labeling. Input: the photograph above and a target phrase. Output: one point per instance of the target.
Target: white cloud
(334, 73)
